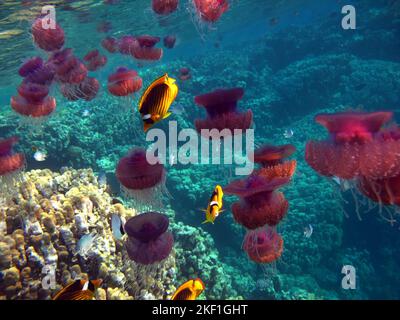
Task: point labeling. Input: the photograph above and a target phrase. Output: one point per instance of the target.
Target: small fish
(190, 290)
(288, 133)
(85, 113)
(79, 290)
(40, 155)
(156, 101)
(117, 226)
(85, 243)
(214, 207)
(308, 231)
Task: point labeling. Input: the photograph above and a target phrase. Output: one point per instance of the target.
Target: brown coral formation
(41, 226)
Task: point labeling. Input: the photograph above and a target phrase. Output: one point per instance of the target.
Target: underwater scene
(199, 150)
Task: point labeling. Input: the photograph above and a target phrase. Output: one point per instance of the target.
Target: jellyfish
(169, 41)
(126, 44)
(222, 113)
(210, 10)
(94, 60)
(36, 71)
(33, 102)
(110, 44)
(148, 240)
(143, 48)
(11, 165)
(272, 160)
(263, 245)
(140, 180)
(47, 38)
(124, 82)
(164, 7)
(260, 203)
(184, 74)
(356, 147)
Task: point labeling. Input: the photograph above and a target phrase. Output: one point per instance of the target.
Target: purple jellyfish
(148, 239)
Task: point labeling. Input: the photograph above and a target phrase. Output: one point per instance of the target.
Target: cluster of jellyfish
(262, 206)
(363, 151)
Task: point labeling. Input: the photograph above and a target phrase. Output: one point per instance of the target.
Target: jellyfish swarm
(11, 164)
(272, 161)
(46, 37)
(34, 70)
(164, 7)
(263, 245)
(210, 10)
(94, 60)
(221, 107)
(140, 180)
(261, 204)
(143, 48)
(148, 240)
(355, 147)
(33, 102)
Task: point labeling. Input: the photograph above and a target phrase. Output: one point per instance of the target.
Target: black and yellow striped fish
(190, 290)
(79, 290)
(156, 101)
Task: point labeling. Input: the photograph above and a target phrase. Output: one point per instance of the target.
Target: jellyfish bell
(34, 70)
(143, 48)
(263, 245)
(164, 7)
(94, 60)
(184, 74)
(124, 82)
(272, 159)
(151, 252)
(355, 147)
(37, 109)
(33, 92)
(147, 226)
(48, 39)
(126, 44)
(140, 180)
(260, 203)
(11, 165)
(222, 113)
(110, 44)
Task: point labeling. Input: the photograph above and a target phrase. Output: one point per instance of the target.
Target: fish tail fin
(206, 221)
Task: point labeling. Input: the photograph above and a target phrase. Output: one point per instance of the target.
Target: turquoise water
(294, 60)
